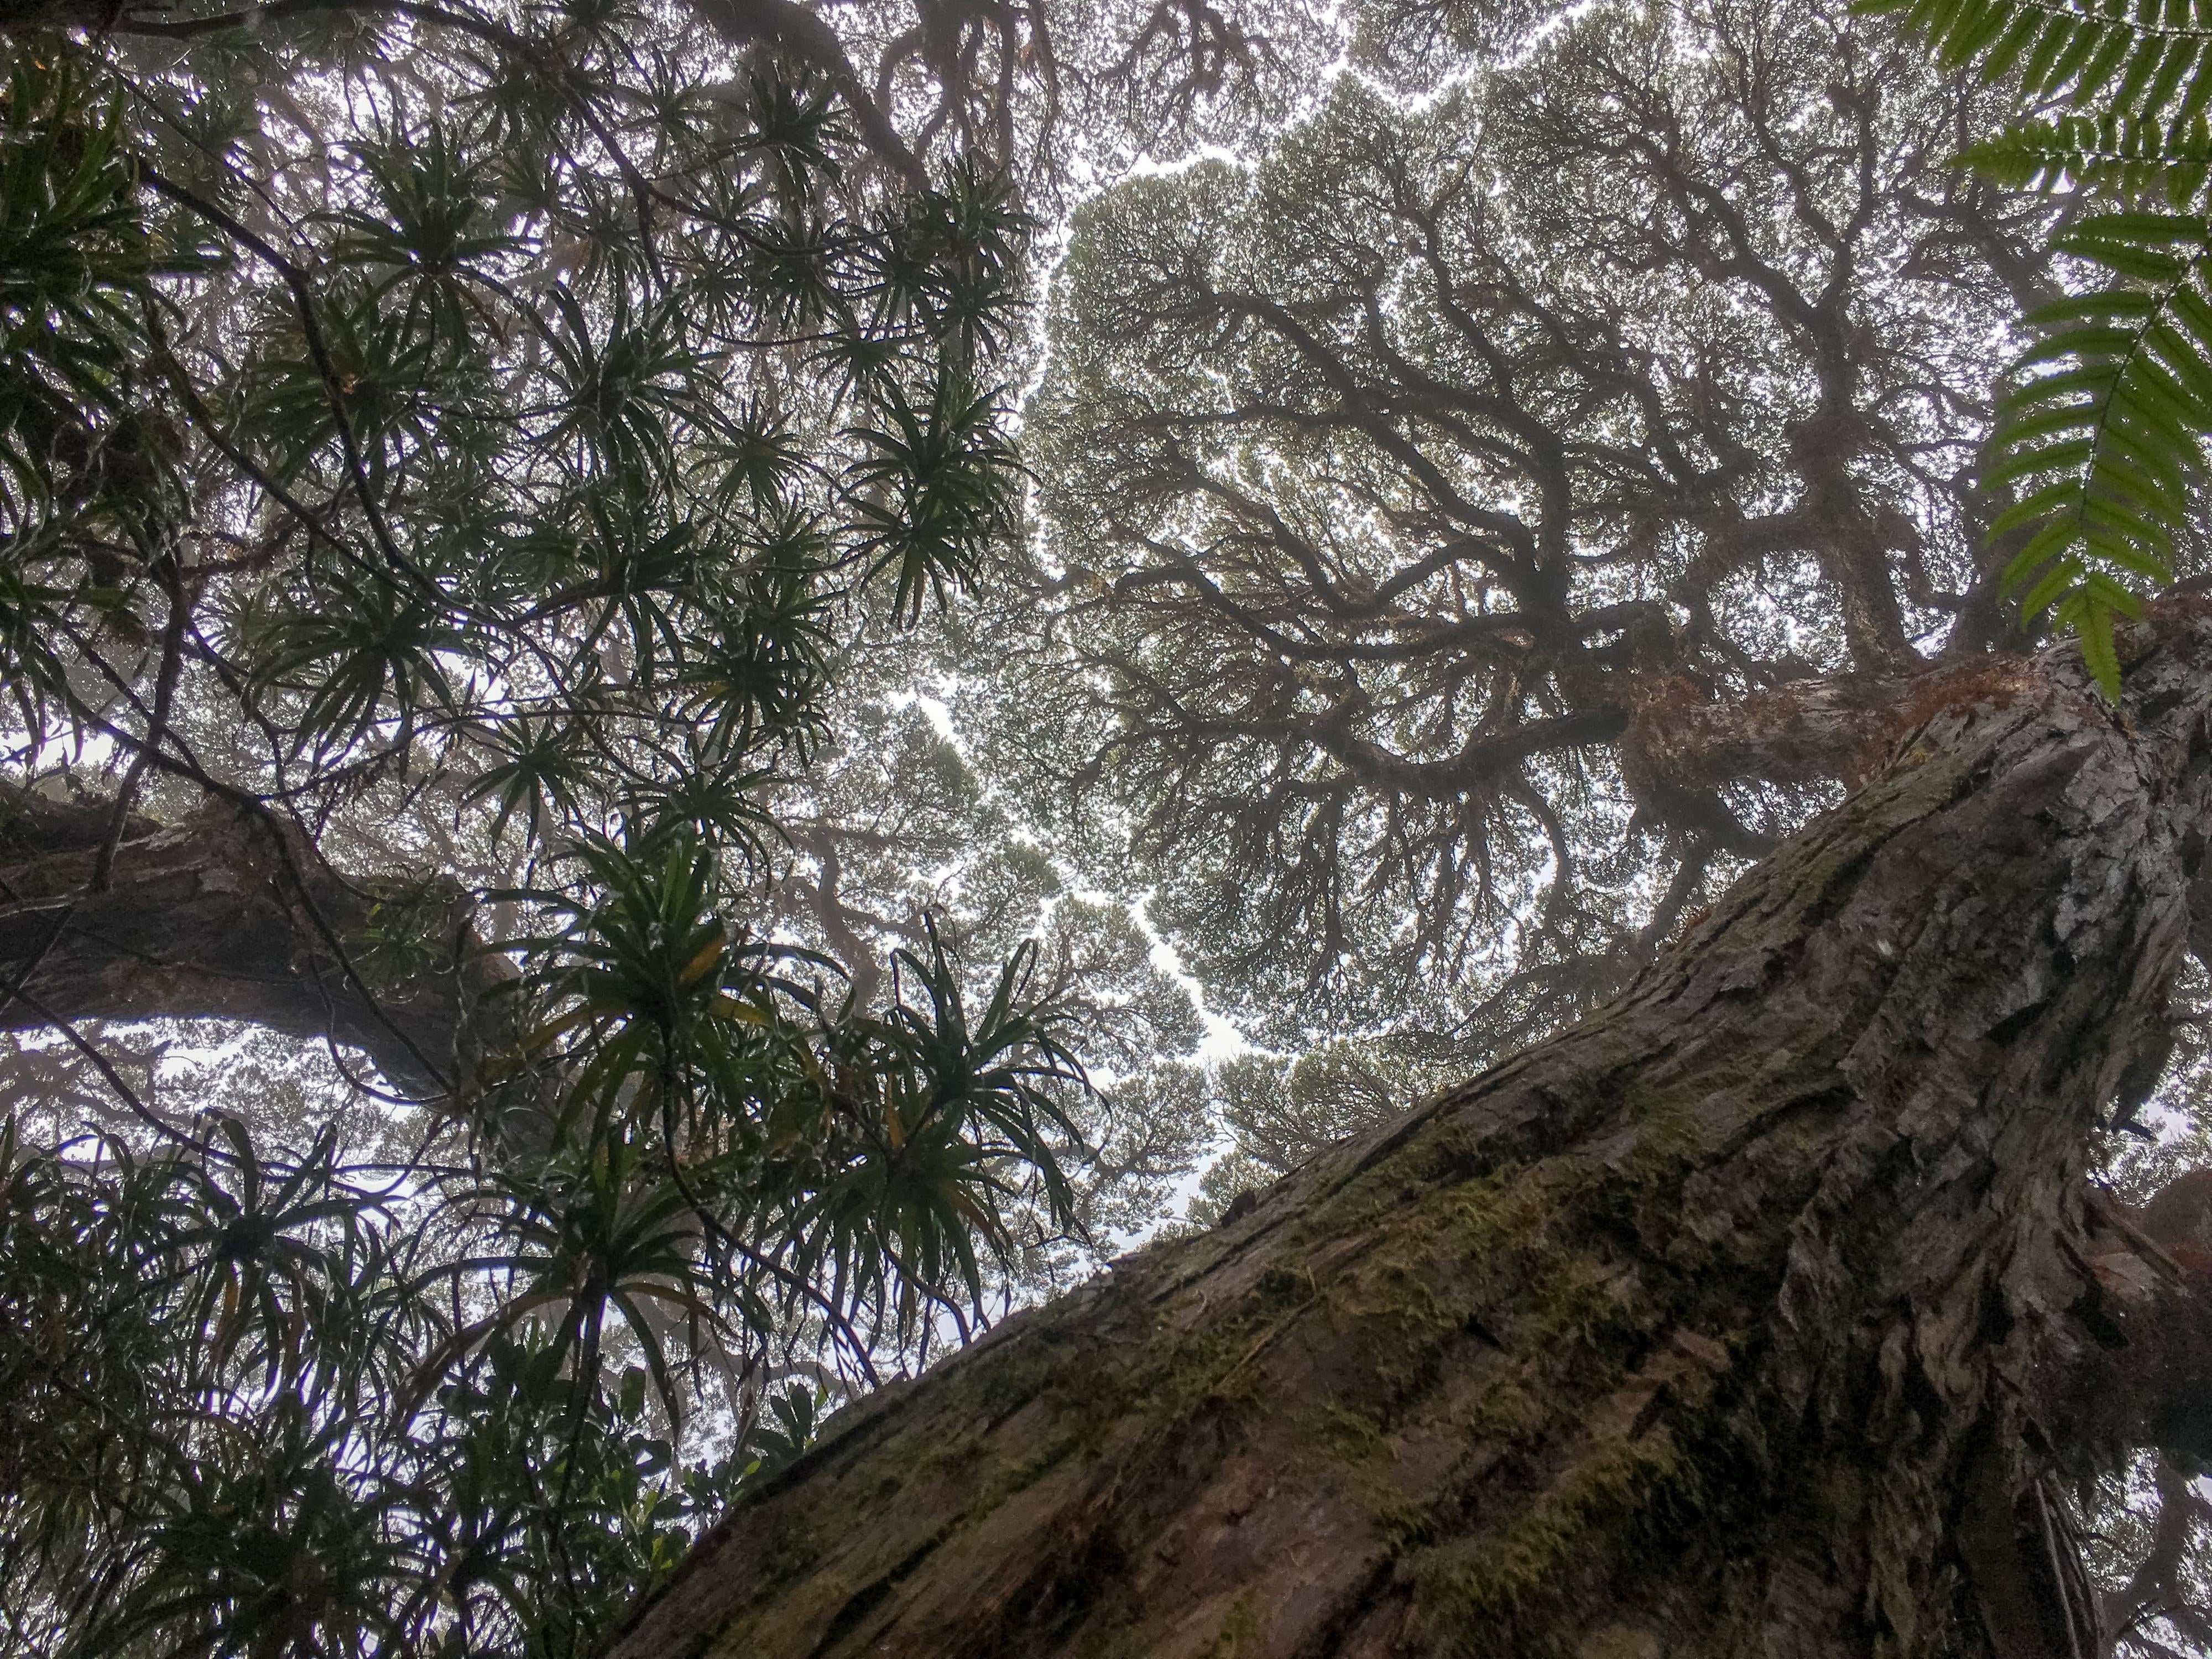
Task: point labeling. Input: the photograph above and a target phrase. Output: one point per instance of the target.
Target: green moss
(1509, 1592)
(1018, 1477)
(1351, 1432)
(1612, 1522)
(1239, 1631)
(1278, 1285)
(790, 1557)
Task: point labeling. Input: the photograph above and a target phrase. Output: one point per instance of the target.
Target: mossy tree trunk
(1751, 1316)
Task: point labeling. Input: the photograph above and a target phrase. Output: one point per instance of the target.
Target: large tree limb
(227, 914)
(1838, 727)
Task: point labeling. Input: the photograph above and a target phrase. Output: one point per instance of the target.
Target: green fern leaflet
(2136, 58)
(2101, 445)
(2111, 155)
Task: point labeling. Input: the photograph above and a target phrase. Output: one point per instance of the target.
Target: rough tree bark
(1751, 1316)
(227, 914)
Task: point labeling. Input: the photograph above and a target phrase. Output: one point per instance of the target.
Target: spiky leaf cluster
(240, 1419)
(469, 437)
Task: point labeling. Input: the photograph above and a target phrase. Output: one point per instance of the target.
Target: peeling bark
(227, 914)
(1745, 1317)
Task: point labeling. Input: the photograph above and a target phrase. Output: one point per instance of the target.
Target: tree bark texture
(1750, 1315)
(228, 913)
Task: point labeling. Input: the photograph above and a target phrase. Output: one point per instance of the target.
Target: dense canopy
(695, 694)
(1425, 501)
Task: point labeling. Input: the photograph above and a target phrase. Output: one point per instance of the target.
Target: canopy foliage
(489, 482)
(456, 447)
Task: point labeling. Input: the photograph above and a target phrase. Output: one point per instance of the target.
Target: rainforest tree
(1474, 530)
(1766, 1308)
(1479, 537)
(480, 486)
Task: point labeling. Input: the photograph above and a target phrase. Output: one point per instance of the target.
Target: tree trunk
(1751, 1316)
(230, 913)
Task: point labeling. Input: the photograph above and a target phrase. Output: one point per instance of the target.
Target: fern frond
(2115, 154)
(2105, 446)
(2140, 59)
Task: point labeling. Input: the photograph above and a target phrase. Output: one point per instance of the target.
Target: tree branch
(198, 920)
